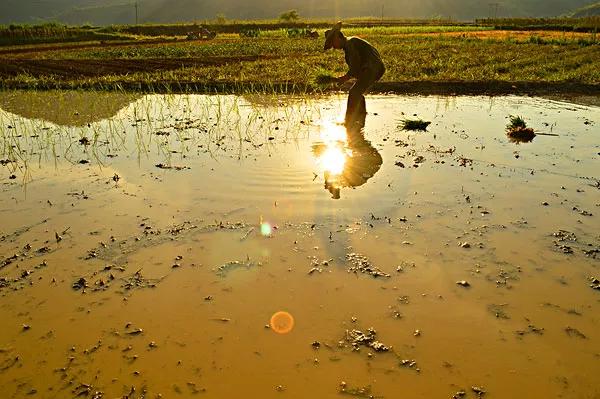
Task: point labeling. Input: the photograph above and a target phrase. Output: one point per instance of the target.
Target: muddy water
(146, 242)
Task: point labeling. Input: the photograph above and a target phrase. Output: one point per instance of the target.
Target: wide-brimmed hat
(330, 34)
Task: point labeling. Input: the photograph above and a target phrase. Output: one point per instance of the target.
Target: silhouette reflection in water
(345, 157)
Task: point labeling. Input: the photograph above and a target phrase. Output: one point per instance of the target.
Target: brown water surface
(146, 243)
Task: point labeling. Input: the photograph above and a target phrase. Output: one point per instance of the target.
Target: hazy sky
(122, 11)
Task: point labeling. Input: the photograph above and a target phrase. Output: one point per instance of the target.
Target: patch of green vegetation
(324, 77)
(414, 125)
(52, 33)
(516, 122)
(352, 26)
(412, 30)
(250, 33)
(302, 32)
(588, 24)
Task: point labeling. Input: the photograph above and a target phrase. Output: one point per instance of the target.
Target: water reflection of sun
(331, 152)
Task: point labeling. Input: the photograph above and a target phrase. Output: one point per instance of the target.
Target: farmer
(365, 66)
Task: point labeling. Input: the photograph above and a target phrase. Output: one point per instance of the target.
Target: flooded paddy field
(219, 246)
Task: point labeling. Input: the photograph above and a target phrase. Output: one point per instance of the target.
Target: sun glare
(332, 132)
(333, 160)
(331, 153)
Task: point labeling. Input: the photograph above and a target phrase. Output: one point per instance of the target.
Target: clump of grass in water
(414, 125)
(517, 130)
(516, 122)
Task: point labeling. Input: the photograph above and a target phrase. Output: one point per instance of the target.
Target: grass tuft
(414, 125)
(518, 131)
(516, 122)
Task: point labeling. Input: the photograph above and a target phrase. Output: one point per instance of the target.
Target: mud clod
(357, 338)
(531, 329)
(361, 264)
(574, 333)
(479, 391)
(411, 364)
(80, 284)
(137, 280)
(225, 268)
(360, 392)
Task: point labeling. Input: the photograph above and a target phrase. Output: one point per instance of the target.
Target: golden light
(333, 160)
(332, 132)
(331, 152)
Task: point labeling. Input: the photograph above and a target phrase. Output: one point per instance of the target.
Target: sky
(122, 11)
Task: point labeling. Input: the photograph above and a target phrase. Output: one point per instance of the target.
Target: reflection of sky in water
(270, 152)
(67, 108)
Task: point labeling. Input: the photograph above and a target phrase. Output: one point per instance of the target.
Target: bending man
(365, 66)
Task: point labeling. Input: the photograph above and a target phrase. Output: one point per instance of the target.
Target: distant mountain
(588, 11)
(102, 12)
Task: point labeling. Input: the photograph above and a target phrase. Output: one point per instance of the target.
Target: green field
(585, 24)
(278, 60)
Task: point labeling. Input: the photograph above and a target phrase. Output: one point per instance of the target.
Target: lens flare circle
(265, 229)
(282, 322)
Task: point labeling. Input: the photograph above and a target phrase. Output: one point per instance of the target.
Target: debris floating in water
(174, 167)
(225, 268)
